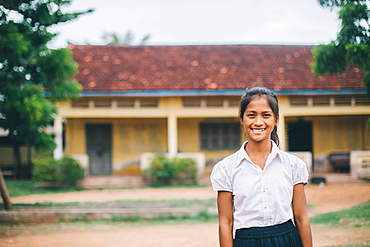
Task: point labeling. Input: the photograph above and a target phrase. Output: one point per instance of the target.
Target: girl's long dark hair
(271, 99)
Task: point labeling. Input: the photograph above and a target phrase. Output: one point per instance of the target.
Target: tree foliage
(127, 39)
(29, 70)
(352, 45)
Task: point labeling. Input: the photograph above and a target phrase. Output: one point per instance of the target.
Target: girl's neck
(258, 148)
(258, 152)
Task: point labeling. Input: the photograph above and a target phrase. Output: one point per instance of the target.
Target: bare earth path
(324, 199)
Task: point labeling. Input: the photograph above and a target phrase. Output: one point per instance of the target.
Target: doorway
(300, 137)
(99, 148)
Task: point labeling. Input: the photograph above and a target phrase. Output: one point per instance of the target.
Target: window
(233, 101)
(344, 100)
(220, 136)
(327, 100)
(321, 101)
(362, 100)
(122, 102)
(126, 102)
(191, 102)
(227, 101)
(149, 102)
(298, 101)
(215, 102)
(103, 102)
(81, 103)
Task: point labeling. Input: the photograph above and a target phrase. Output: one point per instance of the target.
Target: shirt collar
(242, 155)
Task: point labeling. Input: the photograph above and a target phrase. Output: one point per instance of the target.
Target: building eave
(194, 93)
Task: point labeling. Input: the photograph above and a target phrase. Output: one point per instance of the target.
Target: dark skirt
(282, 235)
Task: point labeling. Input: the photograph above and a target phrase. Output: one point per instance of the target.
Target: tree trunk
(17, 161)
(4, 192)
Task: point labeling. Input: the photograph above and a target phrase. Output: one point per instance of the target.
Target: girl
(260, 188)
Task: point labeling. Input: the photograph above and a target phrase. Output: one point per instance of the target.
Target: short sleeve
(220, 178)
(300, 172)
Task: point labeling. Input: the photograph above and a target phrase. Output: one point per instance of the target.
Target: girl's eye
(250, 115)
(267, 115)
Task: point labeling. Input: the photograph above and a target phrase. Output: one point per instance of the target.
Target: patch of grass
(353, 245)
(202, 217)
(27, 187)
(357, 216)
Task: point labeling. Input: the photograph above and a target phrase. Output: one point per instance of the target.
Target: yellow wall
(188, 135)
(131, 137)
(338, 133)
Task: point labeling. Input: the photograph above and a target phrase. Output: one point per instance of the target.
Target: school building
(183, 101)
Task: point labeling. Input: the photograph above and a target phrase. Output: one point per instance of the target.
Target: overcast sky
(190, 22)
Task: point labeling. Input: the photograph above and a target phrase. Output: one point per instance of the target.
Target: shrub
(165, 171)
(185, 170)
(45, 169)
(160, 171)
(65, 171)
(71, 171)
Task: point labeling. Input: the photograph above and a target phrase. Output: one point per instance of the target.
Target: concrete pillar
(58, 138)
(172, 135)
(281, 133)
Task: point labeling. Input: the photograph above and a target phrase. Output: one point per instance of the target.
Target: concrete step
(336, 178)
(96, 182)
(124, 181)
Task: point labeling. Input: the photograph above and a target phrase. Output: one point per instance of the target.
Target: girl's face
(259, 120)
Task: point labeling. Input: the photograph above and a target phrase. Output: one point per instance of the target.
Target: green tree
(352, 45)
(33, 78)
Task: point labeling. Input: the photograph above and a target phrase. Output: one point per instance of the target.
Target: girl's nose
(258, 121)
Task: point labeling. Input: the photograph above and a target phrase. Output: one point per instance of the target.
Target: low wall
(84, 161)
(360, 164)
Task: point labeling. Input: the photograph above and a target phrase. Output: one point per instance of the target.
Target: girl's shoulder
(297, 166)
(226, 165)
(291, 159)
(229, 161)
(222, 172)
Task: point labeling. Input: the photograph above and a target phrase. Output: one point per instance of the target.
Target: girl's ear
(277, 119)
(241, 124)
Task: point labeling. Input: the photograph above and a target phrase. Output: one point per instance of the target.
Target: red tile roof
(208, 67)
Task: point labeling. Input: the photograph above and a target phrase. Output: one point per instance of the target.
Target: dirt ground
(324, 199)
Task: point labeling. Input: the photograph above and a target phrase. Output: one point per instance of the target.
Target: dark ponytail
(271, 99)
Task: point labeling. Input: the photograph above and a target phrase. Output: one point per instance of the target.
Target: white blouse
(260, 197)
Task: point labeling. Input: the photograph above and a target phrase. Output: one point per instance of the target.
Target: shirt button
(266, 223)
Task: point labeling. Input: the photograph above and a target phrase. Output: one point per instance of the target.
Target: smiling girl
(261, 188)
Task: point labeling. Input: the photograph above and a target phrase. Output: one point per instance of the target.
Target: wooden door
(99, 148)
